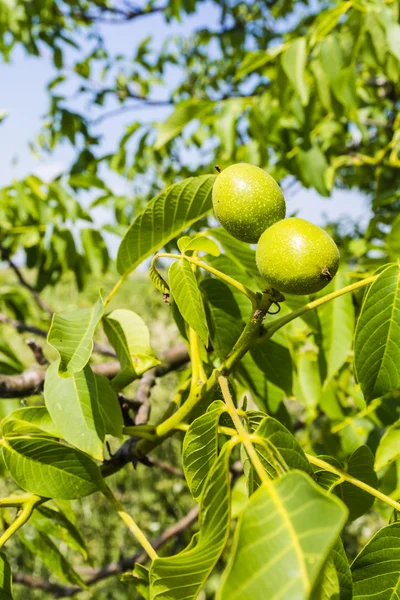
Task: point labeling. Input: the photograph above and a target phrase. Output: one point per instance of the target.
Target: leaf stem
(131, 524)
(278, 323)
(27, 507)
(243, 434)
(198, 374)
(363, 413)
(360, 484)
(253, 297)
(114, 290)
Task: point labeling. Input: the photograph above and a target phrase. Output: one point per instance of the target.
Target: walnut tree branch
(30, 382)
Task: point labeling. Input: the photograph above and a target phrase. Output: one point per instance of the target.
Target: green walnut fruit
(297, 257)
(247, 201)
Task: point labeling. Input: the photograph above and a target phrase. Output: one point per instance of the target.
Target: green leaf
(184, 112)
(139, 579)
(229, 267)
(44, 548)
(96, 251)
(308, 385)
(360, 466)
(71, 334)
(34, 420)
(158, 281)
(389, 447)
(393, 240)
(129, 335)
(50, 469)
(186, 293)
(109, 407)
(267, 396)
(6, 591)
(336, 583)
(200, 243)
(294, 61)
(275, 361)
(376, 570)
(256, 60)
(73, 405)
(56, 524)
(283, 539)
(335, 329)
(393, 38)
(313, 166)
(169, 213)
(200, 447)
(240, 253)
(377, 338)
(280, 451)
(328, 19)
(181, 576)
(223, 315)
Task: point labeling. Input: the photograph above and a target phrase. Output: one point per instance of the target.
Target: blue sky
(23, 95)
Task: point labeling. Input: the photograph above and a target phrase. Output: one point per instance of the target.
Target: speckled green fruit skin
(292, 255)
(247, 201)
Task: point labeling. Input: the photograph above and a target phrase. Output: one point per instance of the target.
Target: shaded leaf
(335, 329)
(6, 590)
(267, 396)
(55, 523)
(240, 253)
(360, 466)
(376, 570)
(389, 447)
(336, 583)
(185, 573)
(109, 407)
(393, 240)
(44, 548)
(224, 317)
(377, 338)
(200, 447)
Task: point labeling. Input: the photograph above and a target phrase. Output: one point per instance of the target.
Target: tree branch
(99, 348)
(93, 576)
(30, 382)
